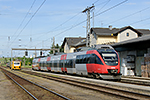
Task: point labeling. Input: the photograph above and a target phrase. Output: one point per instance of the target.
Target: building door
(139, 60)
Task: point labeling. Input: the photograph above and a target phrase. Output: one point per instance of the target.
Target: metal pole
(93, 19)
(87, 31)
(35, 52)
(87, 10)
(53, 45)
(11, 58)
(24, 61)
(88, 28)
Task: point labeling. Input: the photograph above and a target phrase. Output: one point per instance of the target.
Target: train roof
(78, 51)
(95, 47)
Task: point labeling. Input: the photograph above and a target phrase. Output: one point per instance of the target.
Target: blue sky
(57, 18)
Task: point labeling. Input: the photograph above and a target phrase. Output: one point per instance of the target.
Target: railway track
(36, 91)
(123, 94)
(137, 81)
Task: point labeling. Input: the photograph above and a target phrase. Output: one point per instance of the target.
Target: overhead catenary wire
(86, 20)
(62, 23)
(129, 15)
(28, 21)
(110, 8)
(71, 18)
(48, 32)
(24, 18)
(44, 33)
(103, 6)
(22, 21)
(140, 21)
(91, 17)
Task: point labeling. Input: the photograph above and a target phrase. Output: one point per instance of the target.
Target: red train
(98, 62)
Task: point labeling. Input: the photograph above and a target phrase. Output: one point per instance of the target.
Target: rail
(34, 97)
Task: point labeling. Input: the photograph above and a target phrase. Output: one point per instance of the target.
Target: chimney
(110, 27)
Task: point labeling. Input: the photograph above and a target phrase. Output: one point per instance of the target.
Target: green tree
(57, 47)
(5, 60)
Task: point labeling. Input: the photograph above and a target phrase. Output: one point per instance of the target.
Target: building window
(127, 34)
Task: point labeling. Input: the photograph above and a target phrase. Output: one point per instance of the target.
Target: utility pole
(87, 11)
(53, 45)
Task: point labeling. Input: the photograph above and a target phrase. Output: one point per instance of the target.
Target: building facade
(69, 43)
(114, 35)
(104, 36)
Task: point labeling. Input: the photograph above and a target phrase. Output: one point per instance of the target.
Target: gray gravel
(72, 92)
(10, 91)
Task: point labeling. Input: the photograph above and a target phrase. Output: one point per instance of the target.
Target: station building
(69, 43)
(133, 54)
(133, 45)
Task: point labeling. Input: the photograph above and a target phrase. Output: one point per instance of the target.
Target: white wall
(102, 39)
(123, 35)
(66, 48)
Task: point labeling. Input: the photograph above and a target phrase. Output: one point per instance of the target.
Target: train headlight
(113, 71)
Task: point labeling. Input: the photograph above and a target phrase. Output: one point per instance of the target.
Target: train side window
(92, 58)
(88, 58)
(77, 59)
(65, 63)
(39, 64)
(80, 59)
(43, 64)
(50, 63)
(70, 63)
(98, 61)
(84, 59)
(73, 66)
(60, 63)
(46, 64)
(55, 63)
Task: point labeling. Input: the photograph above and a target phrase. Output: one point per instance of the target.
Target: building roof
(81, 43)
(104, 31)
(128, 27)
(72, 41)
(133, 44)
(144, 31)
(115, 31)
(135, 40)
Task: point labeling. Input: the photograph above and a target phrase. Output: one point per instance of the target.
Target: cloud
(147, 3)
(5, 0)
(5, 7)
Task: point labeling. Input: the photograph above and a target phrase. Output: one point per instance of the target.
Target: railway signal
(26, 53)
(40, 53)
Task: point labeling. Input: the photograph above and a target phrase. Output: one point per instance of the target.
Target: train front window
(110, 58)
(16, 64)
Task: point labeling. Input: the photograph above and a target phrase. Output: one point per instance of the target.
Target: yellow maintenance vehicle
(15, 65)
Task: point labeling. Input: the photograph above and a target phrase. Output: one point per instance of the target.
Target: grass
(26, 66)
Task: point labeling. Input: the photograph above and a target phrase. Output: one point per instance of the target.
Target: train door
(63, 65)
(139, 60)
